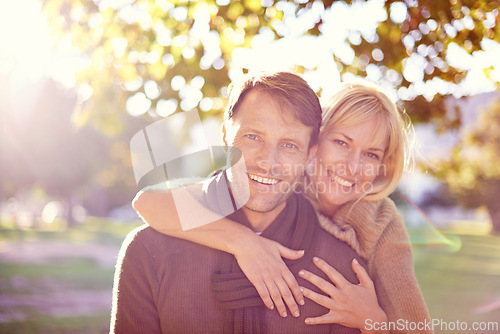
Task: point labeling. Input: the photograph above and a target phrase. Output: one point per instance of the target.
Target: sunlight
(28, 52)
(25, 38)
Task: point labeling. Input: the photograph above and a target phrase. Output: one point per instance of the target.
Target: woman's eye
(289, 145)
(252, 137)
(340, 142)
(373, 156)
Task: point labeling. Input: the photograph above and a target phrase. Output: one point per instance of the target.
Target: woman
(359, 161)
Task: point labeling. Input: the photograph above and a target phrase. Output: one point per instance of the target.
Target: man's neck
(261, 220)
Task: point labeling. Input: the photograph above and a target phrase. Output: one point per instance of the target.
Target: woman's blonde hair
(356, 103)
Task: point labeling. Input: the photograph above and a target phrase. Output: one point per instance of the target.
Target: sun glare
(25, 39)
(28, 53)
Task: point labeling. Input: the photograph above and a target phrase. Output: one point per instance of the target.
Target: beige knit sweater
(376, 231)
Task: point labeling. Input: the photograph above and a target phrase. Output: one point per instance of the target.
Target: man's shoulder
(142, 233)
(148, 239)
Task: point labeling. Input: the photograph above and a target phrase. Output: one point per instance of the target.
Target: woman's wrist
(238, 237)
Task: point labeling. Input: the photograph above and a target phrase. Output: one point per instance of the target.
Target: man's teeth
(262, 179)
(341, 181)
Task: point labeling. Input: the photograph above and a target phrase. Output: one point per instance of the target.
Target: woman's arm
(351, 305)
(259, 258)
(392, 270)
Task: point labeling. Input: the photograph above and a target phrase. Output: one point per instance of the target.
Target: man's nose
(269, 156)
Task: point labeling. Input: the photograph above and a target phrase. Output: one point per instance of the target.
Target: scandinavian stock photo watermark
(318, 177)
(179, 153)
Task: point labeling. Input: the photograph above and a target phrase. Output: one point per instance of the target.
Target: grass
(38, 323)
(100, 230)
(79, 273)
(459, 284)
(21, 281)
(456, 281)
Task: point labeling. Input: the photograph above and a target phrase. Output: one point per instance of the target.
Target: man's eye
(252, 137)
(289, 145)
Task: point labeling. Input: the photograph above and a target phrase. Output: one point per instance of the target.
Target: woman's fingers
(288, 253)
(331, 272)
(288, 276)
(264, 294)
(275, 294)
(321, 283)
(363, 277)
(279, 292)
(288, 298)
(263, 265)
(327, 318)
(319, 298)
(293, 285)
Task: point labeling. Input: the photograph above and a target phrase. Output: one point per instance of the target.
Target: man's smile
(263, 180)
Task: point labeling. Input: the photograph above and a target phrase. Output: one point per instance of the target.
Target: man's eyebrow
(292, 139)
(252, 129)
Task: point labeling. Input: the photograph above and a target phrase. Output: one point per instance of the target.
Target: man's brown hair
(289, 90)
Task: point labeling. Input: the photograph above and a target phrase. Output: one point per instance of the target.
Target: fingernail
(296, 314)
(301, 289)
(302, 251)
(302, 302)
(283, 314)
(307, 321)
(315, 259)
(302, 273)
(272, 307)
(355, 261)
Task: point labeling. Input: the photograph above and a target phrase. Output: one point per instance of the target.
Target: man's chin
(263, 207)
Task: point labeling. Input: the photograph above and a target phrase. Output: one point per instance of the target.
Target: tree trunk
(494, 212)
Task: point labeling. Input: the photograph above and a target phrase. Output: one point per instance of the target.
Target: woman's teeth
(337, 179)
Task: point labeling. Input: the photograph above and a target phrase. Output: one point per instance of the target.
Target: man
(168, 285)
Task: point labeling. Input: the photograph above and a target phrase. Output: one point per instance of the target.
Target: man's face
(274, 147)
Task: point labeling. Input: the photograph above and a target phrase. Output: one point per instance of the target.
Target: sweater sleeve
(391, 268)
(135, 289)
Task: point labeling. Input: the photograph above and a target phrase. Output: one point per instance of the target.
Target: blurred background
(79, 78)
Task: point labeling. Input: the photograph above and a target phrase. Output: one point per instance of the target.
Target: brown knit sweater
(376, 231)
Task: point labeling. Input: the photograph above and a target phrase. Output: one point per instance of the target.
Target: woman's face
(347, 162)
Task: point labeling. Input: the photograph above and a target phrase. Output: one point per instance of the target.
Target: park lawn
(41, 323)
(28, 285)
(456, 281)
(459, 285)
(36, 283)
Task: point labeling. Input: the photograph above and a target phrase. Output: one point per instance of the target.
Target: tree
(161, 54)
(156, 57)
(473, 171)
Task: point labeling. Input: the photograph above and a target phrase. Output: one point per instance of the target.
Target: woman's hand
(350, 304)
(261, 261)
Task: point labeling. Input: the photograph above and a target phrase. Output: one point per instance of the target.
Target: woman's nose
(354, 164)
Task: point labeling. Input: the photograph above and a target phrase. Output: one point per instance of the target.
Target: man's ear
(224, 134)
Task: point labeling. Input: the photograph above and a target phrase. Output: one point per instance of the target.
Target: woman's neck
(320, 204)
